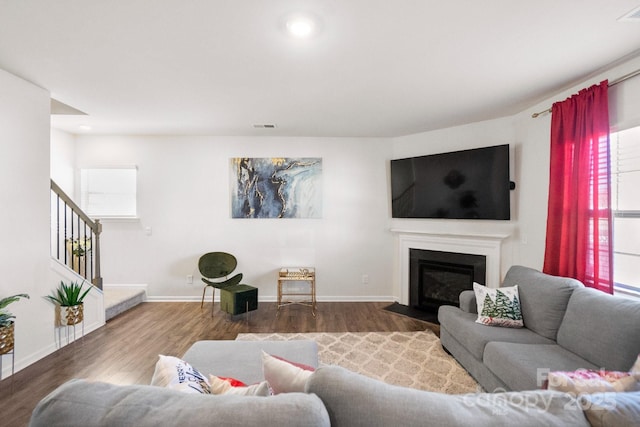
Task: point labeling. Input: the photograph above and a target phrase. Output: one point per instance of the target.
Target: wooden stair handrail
(94, 225)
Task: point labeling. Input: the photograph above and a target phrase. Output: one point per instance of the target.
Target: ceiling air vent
(631, 16)
(265, 126)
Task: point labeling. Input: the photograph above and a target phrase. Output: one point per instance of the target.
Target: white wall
(24, 219)
(529, 139)
(63, 160)
(25, 260)
(183, 186)
(184, 199)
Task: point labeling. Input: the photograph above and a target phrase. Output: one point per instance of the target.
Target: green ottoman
(237, 299)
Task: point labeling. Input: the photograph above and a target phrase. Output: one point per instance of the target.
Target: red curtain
(579, 227)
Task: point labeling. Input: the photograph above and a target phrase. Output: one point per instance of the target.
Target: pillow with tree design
(498, 306)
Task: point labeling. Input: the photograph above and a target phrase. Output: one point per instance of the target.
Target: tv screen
(468, 184)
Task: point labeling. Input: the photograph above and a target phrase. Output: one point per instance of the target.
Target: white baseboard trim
(274, 298)
(127, 286)
(24, 362)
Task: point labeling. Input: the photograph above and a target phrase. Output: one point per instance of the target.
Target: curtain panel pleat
(579, 227)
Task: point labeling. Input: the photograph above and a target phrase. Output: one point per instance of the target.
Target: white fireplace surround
(488, 245)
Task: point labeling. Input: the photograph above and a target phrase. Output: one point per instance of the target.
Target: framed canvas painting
(276, 187)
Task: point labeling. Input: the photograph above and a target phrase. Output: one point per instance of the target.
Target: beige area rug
(408, 359)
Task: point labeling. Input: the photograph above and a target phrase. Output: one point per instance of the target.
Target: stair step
(117, 300)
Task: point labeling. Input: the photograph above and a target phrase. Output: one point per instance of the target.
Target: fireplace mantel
(488, 245)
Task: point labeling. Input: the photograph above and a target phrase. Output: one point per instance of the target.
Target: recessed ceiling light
(84, 127)
(301, 26)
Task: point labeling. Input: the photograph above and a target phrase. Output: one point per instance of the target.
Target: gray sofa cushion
(354, 400)
(475, 335)
(543, 298)
(88, 404)
(242, 360)
(612, 409)
(525, 366)
(468, 302)
(602, 328)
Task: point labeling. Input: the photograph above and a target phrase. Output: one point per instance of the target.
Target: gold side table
(297, 274)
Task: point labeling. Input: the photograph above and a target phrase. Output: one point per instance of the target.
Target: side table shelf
(297, 274)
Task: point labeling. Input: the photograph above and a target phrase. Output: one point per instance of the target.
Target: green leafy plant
(6, 316)
(68, 295)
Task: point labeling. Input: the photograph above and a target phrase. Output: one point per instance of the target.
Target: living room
(183, 200)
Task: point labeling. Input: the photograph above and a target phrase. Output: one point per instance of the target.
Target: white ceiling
(377, 67)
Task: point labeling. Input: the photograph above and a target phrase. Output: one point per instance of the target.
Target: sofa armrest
(468, 302)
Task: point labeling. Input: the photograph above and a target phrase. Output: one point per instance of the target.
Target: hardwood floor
(126, 349)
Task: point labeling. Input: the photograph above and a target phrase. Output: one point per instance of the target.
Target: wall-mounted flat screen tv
(468, 184)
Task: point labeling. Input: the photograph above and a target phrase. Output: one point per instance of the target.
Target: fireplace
(437, 278)
(487, 245)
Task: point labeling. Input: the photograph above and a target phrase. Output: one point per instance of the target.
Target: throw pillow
(284, 376)
(592, 381)
(220, 385)
(498, 306)
(177, 374)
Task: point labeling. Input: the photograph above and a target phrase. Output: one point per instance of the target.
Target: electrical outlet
(365, 279)
(189, 279)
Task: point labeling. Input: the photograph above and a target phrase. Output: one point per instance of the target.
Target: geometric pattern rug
(408, 359)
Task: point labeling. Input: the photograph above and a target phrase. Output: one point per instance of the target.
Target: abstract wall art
(276, 187)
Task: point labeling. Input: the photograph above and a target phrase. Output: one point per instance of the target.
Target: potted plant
(69, 300)
(78, 248)
(6, 323)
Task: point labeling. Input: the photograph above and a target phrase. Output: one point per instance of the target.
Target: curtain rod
(613, 83)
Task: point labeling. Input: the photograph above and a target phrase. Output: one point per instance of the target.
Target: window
(109, 192)
(625, 203)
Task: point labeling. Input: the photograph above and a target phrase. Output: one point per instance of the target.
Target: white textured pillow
(284, 376)
(177, 374)
(225, 386)
(498, 306)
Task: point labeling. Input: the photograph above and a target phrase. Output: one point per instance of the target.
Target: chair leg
(213, 296)
(202, 303)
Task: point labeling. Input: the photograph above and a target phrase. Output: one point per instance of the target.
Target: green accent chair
(215, 268)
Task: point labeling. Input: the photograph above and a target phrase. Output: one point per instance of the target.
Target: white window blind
(625, 203)
(109, 192)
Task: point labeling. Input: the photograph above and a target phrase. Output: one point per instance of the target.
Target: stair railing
(75, 237)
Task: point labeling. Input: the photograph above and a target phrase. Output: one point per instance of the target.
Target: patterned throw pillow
(591, 381)
(498, 306)
(177, 374)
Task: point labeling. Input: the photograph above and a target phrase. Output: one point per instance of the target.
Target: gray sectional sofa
(567, 327)
(334, 396)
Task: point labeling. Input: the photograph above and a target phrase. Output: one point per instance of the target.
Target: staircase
(118, 299)
(75, 240)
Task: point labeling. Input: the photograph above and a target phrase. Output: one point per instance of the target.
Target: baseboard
(143, 286)
(273, 298)
(24, 362)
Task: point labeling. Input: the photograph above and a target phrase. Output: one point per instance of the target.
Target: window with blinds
(625, 203)
(109, 193)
